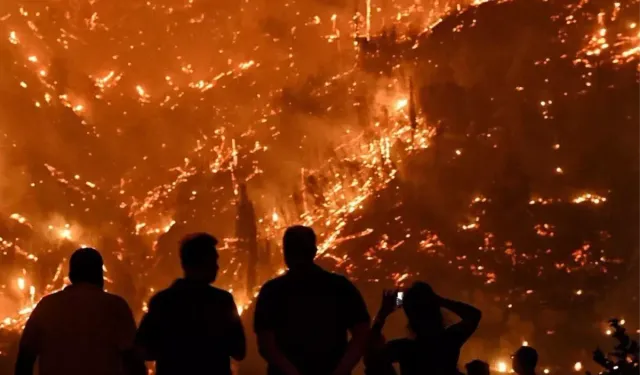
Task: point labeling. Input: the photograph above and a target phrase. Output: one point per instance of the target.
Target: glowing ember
(577, 366)
(502, 367)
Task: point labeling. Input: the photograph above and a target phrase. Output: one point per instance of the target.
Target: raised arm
(470, 318)
(379, 356)
(387, 307)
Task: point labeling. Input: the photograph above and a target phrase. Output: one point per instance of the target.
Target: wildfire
(589, 198)
(577, 366)
(228, 140)
(21, 283)
(501, 367)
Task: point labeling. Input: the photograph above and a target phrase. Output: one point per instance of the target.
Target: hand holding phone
(389, 303)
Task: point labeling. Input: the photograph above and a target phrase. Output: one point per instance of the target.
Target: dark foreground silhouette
(302, 320)
(435, 349)
(477, 367)
(81, 329)
(524, 361)
(192, 327)
(303, 317)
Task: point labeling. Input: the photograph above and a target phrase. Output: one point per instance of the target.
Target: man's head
(477, 367)
(85, 266)
(525, 360)
(199, 257)
(299, 246)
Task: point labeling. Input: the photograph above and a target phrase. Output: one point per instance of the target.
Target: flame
(577, 366)
(65, 233)
(21, 283)
(501, 366)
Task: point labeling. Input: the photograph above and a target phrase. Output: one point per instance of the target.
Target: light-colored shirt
(81, 330)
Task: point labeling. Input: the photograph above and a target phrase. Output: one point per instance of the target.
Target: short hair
(526, 356)
(85, 265)
(477, 367)
(196, 249)
(302, 239)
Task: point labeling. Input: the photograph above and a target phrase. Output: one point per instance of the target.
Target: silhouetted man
(302, 317)
(193, 327)
(81, 329)
(525, 361)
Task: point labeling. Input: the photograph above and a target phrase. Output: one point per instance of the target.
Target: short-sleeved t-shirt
(310, 314)
(439, 357)
(80, 330)
(190, 328)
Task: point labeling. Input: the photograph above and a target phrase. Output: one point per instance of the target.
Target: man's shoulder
(275, 283)
(162, 297)
(61, 299)
(115, 300)
(336, 279)
(50, 299)
(175, 291)
(218, 293)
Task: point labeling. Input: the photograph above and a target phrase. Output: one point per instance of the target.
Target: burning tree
(624, 359)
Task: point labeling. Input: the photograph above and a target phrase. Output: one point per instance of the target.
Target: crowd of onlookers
(307, 321)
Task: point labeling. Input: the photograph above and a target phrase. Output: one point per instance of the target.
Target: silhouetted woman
(432, 349)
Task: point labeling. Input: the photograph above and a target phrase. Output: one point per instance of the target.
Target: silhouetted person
(477, 367)
(81, 329)
(193, 327)
(247, 234)
(434, 349)
(302, 317)
(525, 361)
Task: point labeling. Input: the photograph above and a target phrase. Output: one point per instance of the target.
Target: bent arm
(132, 358)
(470, 317)
(269, 350)
(358, 320)
(355, 349)
(147, 338)
(235, 336)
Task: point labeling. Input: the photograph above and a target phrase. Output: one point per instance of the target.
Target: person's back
(79, 330)
(303, 319)
(438, 356)
(310, 314)
(192, 327)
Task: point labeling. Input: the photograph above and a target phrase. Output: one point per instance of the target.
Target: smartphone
(399, 297)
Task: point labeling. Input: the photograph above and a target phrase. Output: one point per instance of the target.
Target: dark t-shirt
(310, 314)
(191, 328)
(414, 358)
(438, 356)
